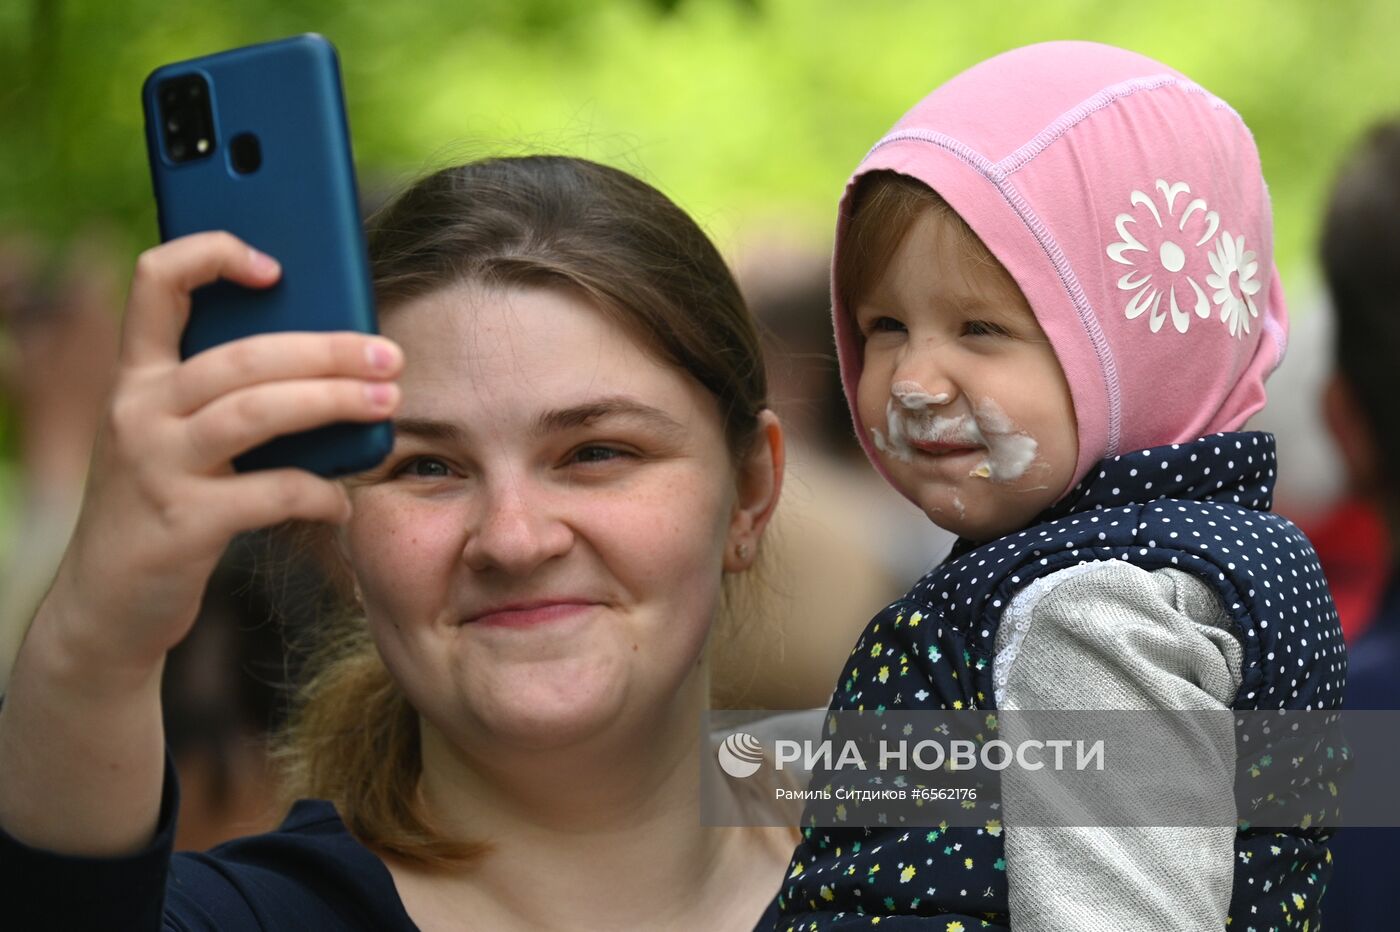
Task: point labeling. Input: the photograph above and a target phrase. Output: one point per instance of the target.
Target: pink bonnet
(1128, 204)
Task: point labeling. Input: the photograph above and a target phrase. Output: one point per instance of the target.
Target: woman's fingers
(272, 357)
(266, 497)
(159, 304)
(242, 419)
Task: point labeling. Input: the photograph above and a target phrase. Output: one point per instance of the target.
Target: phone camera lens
(186, 118)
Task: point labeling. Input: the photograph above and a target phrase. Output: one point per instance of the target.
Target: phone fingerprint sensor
(245, 153)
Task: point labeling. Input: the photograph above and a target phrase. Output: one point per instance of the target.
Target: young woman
(504, 730)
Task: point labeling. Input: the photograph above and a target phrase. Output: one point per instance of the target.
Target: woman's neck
(601, 834)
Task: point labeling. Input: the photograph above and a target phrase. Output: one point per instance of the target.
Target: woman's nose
(513, 531)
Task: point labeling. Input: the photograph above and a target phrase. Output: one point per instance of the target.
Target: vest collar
(1238, 468)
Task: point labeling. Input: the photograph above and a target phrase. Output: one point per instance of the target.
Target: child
(1055, 307)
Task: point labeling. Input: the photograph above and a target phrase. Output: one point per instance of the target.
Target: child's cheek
(871, 413)
(873, 402)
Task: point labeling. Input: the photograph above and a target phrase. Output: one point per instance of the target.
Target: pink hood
(1128, 204)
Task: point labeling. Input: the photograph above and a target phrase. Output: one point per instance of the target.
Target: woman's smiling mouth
(527, 614)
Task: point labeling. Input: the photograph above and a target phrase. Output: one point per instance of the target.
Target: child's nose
(923, 390)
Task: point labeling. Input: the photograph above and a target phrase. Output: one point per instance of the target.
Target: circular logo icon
(740, 755)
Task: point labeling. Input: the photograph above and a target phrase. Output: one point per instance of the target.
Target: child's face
(961, 391)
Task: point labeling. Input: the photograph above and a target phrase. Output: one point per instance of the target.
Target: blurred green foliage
(750, 113)
(746, 111)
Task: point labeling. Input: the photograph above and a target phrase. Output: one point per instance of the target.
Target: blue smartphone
(255, 141)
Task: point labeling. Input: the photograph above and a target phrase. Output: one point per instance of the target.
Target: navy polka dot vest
(1200, 507)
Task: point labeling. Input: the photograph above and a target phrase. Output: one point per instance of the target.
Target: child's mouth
(941, 448)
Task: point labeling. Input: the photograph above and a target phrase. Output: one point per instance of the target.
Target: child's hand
(162, 499)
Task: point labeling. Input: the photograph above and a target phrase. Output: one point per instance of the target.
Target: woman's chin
(544, 715)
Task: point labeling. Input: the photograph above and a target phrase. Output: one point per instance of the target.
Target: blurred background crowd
(749, 113)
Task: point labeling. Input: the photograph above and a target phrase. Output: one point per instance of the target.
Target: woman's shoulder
(305, 818)
(309, 872)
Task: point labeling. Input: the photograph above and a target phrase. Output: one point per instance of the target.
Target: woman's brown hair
(538, 221)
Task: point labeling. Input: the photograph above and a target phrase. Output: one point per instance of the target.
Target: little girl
(1055, 308)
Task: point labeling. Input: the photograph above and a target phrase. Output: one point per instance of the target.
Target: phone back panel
(300, 206)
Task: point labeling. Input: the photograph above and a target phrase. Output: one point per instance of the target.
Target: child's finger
(159, 303)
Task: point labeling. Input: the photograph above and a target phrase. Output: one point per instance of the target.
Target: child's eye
(422, 467)
(885, 325)
(982, 328)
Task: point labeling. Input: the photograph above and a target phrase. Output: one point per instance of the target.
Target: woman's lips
(528, 615)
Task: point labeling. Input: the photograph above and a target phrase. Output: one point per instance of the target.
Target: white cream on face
(1010, 451)
(912, 395)
(959, 429)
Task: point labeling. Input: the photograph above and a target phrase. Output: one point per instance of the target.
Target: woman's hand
(162, 499)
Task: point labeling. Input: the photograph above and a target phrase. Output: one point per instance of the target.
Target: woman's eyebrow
(425, 428)
(610, 407)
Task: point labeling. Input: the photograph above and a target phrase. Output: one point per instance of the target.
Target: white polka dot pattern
(1201, 507)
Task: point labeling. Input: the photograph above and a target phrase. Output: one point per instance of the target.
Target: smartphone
(255, 141)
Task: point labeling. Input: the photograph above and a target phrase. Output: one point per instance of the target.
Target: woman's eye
(597, 454)
(423, 467)
(885, 325)
(982, 328)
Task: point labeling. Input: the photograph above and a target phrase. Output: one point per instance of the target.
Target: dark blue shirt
(310, 874)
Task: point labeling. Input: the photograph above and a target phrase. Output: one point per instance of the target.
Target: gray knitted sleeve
(1109, 635)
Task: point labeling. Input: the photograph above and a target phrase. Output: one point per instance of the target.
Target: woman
(509, 725)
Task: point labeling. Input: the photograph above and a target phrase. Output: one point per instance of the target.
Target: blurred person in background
(228, 686)
(58, 350)
(1344, 522)
(1361, 259)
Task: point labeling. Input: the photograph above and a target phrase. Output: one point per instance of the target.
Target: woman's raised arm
(81, 742)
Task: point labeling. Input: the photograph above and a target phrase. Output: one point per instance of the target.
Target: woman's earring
(743, 551)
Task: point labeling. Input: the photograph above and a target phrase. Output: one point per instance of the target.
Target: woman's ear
(760, 482)
(1352, 432)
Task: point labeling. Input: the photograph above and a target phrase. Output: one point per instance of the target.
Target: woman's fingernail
(263, 264)
(380, 355)
(380, 394)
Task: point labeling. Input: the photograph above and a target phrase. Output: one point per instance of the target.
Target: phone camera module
(245, 153)
(186, 118)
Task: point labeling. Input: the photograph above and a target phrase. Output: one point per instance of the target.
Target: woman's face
(541, 555)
